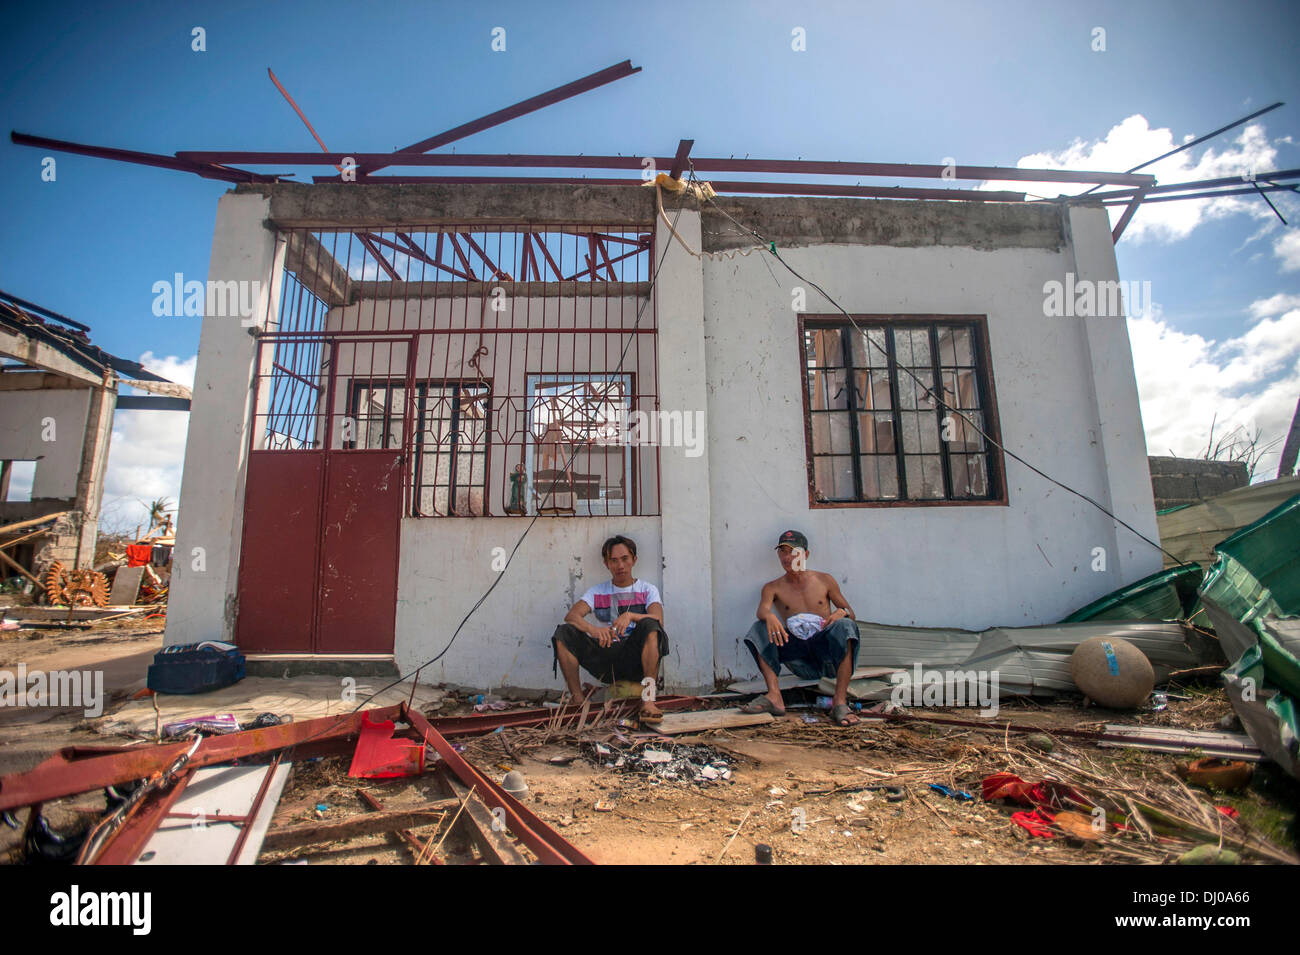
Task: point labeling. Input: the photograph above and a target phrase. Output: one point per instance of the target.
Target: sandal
(842, 715)
(761, 704)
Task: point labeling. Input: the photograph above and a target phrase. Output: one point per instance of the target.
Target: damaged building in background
(58, 395)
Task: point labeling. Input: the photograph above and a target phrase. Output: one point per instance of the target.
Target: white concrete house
(430, 370)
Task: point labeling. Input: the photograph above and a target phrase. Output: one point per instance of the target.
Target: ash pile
(663, 762)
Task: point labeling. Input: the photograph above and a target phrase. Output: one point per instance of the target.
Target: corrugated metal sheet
(1190, 533)
(1030, 661)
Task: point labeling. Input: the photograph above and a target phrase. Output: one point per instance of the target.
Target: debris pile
(661, 761)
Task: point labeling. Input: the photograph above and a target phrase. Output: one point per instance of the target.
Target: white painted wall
(23, 420)
(447, 565)
(210, 515)
(1026, 563)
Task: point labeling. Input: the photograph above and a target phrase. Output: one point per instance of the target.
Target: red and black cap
(792, 539)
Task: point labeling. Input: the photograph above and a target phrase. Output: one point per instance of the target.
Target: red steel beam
(59, 777)
(460, 254)
(1126, 217)
(625, 255)
(206, 170)
(541, 244)
(608, 75)
(469, 240)
(547, 844)
(807, 167)
(454, 727)
(364, 238)
(679, 161)
(128, 842)
(436, 260)
(1199, 184)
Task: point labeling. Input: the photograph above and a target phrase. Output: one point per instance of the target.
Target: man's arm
(775, 627)
(837, 599)
(577, 616)
(627, 618)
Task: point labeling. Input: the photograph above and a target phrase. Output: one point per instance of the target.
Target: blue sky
(990, 83)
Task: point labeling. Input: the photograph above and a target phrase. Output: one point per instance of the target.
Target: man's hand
(776, 631)
(838, 614)
(625, 622)
(604, 635)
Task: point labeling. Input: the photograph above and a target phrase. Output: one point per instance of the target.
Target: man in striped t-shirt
(628, 638)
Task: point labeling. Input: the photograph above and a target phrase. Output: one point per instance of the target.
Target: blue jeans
(809, 659)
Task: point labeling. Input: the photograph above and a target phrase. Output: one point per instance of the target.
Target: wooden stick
(733, 838)
(369, 824)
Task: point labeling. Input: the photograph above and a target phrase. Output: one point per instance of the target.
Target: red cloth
(1036, 822)
(137, 555)
(1011, 787)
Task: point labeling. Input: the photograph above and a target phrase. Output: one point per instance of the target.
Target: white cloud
(1185, 381)
(146, 454)
(1274, 305)
(1287, 248)
(172, 368)
(1132, 142)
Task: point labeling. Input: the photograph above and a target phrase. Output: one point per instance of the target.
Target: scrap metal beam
(806, 167)
(547, 844)
(206, 170)
(522, 108)
(1126, 217)
(62, 776)
(679, 161)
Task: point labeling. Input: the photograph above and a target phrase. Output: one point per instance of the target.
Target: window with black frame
(449, 464)
(878, 433)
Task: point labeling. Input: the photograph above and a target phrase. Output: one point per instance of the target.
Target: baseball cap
(792, 539)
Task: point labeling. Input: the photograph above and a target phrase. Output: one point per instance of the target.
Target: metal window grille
(876, 432)
(501, 362)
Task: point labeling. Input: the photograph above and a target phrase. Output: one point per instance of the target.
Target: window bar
(940, 403)
(851, 383)
(899, 450)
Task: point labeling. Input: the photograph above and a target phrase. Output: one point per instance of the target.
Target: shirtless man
(797, 626)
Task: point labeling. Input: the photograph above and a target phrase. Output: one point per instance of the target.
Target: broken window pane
(924, 477)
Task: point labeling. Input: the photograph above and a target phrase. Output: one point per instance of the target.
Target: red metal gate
(322, 509)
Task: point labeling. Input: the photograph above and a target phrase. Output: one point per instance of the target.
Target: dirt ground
(798, 785)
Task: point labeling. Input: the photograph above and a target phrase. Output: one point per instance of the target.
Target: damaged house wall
(1028, 562)
(728, 347)
(66, 430)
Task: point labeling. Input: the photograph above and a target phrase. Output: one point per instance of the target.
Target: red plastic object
(379, 756)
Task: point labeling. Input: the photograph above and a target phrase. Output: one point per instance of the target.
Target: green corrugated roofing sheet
(1167, 595)
(1258, 570)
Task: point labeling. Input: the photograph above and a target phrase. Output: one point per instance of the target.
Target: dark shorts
(621, 660)
(809, 659)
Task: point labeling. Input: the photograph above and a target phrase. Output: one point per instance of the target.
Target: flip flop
(841, 712)
(761, 704)
(653, 719)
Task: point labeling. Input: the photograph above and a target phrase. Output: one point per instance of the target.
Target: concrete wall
(1028, 562)
(22, 417)
(210, 512)
(447, 565)
(1176, 481)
